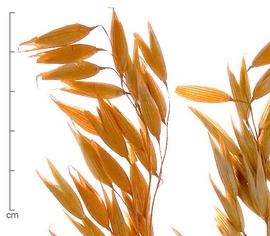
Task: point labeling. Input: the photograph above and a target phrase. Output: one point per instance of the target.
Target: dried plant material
(158, 62)
(92, 200)
(241, 103)
(92, 159)
(224, 225)
(77, 115)
(263, 86)
(72, 71)
(60, 37)
(118, 223)
(51, 233)
(156, 94)
(92, 229)
(262, 190)
(139, 189)
(111, 133)
(251, 187)
(225, 170)
(202, 94)
(244, 82)
(127, 128)
(119, 45)
(113, 169)
(264, 142)
(63, 193)
(243, 167)
(263, 57)
(94, 89)
(216, 131)
(247, 144)
(176, 232)
(81, 228)
(232, 208)
(265, 117)
(131, 79)
(147, 157)
(149, 152)
(153, 55)
(106, 136)
(67, 54)
(150, 110)
(112, 129)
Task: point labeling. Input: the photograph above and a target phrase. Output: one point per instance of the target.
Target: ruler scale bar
(10, 130)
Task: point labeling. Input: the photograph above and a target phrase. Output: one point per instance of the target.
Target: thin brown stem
(253, 122)
(162, 161)
(106, 32)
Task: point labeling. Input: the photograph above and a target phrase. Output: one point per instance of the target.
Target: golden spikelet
(150, 111)
(72, 71)
(263, 57)
(262, 87)
(202, 94)
(67, 54)
(63, 193)
(153, 54)
(77, 115)
(60, 37)
(119, 45)
(92, 200)
(94, 89)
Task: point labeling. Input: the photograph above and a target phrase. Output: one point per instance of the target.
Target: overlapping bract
(123, 207)
(243, 166)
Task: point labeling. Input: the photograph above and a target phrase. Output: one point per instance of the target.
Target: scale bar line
(9, 112)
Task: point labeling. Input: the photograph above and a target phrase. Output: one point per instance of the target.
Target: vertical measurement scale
(11, 214)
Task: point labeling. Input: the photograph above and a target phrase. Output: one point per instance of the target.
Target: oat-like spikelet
(202, 94)
(92, 200)
(67, 54)
(77, 115)
(119, 45)
(263, 86)
(94, 89)
(124, 205)
(72, 71)
(153, 54)
(60, 37)
(64, 193)
(263, 57)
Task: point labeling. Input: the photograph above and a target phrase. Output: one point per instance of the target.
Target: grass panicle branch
(243, 166)
(125, 205)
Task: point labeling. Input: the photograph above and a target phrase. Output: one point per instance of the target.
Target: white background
(198, 38)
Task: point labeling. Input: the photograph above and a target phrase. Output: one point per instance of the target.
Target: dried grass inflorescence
(124, 204)
(243, 165)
